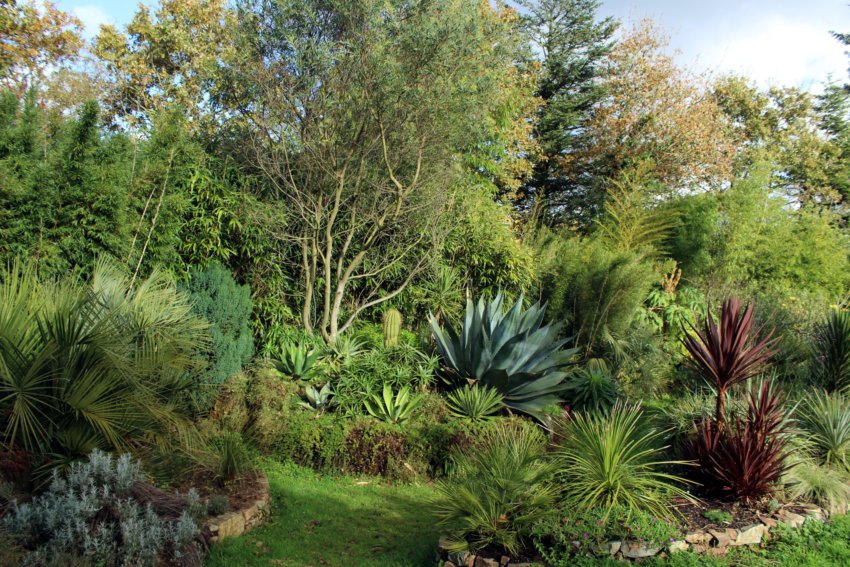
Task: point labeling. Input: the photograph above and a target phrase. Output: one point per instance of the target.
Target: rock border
(235, 523)
(710, 541)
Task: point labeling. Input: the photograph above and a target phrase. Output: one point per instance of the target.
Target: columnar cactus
(392, 327)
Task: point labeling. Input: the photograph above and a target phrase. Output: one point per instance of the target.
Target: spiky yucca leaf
(592, 388)
(616, 459)
(825, 421)
(476, 403)
(728, 351)
(511, 351)
(832, 361)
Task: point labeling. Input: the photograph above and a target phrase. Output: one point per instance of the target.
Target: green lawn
(336, 520)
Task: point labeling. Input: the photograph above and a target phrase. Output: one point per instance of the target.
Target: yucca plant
(104, 365)
(510, 351)
(825, 422)
(318, 400)
(498, 490)
(832, 346)
(592, 388)
(616, 459)
(728, 351)
(744, 460)
(474, 402)
(393, 408)
(297, 360)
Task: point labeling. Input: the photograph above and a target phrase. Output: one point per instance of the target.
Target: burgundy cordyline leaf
(728, 352)
(743, 461)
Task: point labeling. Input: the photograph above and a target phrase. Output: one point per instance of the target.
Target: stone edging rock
(237, 522)
(714, 541)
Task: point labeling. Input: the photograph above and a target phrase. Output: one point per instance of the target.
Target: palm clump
(107, 365)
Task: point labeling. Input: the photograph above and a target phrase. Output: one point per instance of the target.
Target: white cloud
(778, 51)
(92, 17)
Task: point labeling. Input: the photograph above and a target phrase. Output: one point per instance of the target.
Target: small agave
(318, 400)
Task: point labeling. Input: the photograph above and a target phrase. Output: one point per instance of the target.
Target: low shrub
(217, 505)
(499, 489)
(562, 538)
(717, 516)
(617, 459)
(101, 513)
(374, 449)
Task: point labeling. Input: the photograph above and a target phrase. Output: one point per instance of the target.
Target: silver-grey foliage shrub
(89, 514)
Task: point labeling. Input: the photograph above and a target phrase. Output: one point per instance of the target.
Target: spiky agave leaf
(390, 407)
(511, 351)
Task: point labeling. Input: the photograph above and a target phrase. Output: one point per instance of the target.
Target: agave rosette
(510, 351)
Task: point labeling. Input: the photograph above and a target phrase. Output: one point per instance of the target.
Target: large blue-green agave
(510, 351)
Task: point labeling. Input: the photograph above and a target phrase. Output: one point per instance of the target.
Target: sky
(775, 42)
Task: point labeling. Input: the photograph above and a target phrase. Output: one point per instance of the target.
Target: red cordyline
(744, 461)
(728, 351)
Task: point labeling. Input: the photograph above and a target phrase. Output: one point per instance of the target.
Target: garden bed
(748, 527)
(249, 506)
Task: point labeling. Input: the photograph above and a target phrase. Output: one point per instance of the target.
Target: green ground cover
(336, 520)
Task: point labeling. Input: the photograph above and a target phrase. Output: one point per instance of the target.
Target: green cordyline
(728, 351)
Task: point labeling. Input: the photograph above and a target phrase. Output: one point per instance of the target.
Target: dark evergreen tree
(571, 43)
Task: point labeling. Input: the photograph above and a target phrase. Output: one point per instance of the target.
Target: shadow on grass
(337, 521)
